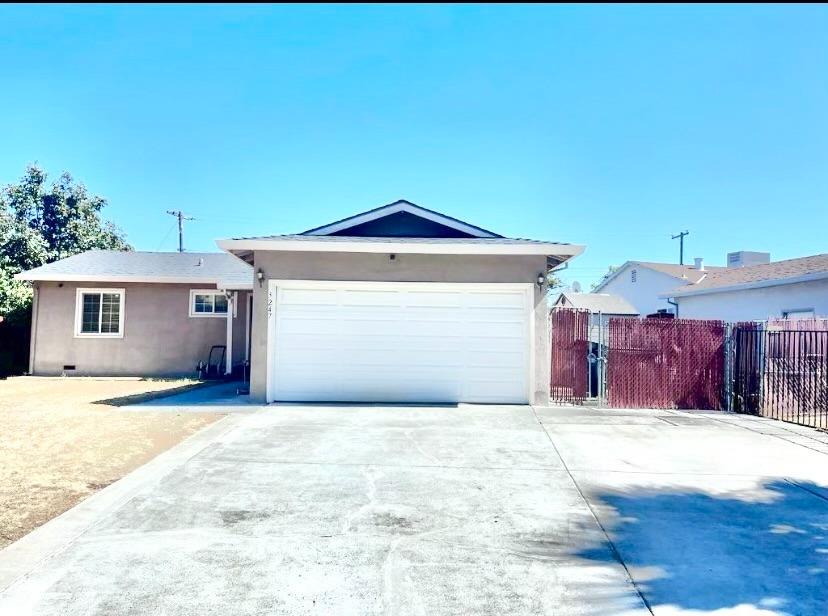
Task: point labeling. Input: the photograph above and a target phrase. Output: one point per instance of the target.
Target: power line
(181, 218)
(166, 235)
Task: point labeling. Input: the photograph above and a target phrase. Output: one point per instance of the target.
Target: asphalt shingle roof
(777, 270)
(399, 240)
(680, 271)
(208, 267)
(600, 302)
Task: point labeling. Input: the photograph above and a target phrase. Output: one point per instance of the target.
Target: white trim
(236, 286)
(209, 315)
(758, 284)
(70, 277)
(361, 284)
(270, 311)
(248, 308)
(443, 248)
(228, 348)
(394, 208)
(274, 284)
(80, 292)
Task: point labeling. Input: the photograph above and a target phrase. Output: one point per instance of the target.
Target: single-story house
(107, 312)
(396, 304)
(643, 283)
(790, 289)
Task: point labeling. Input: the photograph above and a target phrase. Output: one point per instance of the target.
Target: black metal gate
(781, 372)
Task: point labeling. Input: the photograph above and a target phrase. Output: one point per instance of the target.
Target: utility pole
(680, 238)
(181, 218)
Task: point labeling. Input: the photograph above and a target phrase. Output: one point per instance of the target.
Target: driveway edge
(20, 558)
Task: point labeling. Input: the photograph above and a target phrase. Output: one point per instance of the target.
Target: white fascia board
(228, 285)
(623, 268)
(758, 284)
(61, 277)
(561, 250)
(393, 209)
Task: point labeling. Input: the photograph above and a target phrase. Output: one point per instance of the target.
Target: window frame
(80, 292)
(208, 315)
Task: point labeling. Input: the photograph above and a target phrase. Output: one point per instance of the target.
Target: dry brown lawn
(57, 447)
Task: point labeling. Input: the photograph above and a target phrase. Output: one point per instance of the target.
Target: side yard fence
(777, 368)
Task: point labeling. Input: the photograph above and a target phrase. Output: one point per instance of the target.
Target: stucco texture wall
(160, 338)
(757, 304)
(644, 292)
(404, 268)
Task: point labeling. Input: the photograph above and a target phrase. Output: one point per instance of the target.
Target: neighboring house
(605, 303)
(795, 288)
(108, 312)
(643, 283)
(397, 304)
(601, 306)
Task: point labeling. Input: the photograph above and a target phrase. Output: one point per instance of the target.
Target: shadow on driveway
(697, 551)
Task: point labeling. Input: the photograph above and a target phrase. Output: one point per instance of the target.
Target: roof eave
(31, 276)
(286, 245)
(757, 284)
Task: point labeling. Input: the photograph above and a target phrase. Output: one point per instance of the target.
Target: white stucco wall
(644, 292)
(757, 304)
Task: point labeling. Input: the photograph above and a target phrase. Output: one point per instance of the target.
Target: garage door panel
(306, 297)
(405, 342)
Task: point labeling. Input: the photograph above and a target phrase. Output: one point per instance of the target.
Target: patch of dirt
(58, 444)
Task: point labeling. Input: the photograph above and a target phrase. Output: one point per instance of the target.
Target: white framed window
(99, 313)
(208, 303)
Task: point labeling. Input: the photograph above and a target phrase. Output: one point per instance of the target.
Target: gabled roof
(217, 268)
(606, 303)
(776, 273)
(679, 272)
(352, 235)
(341, 227)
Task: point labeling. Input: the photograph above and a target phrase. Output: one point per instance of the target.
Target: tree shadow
(697, 551)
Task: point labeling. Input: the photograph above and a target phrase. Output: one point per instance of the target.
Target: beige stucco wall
(160, 338)
(404, 268)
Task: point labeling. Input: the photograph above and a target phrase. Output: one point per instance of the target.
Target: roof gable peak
(402, 218)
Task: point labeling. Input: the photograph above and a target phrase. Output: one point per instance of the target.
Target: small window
(207, 303)
(99, 313)
(633, 275)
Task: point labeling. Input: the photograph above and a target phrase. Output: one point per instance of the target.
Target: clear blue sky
(609, 126)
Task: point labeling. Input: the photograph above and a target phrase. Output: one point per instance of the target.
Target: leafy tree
(610, 271)
(42, 222)
(553, 281)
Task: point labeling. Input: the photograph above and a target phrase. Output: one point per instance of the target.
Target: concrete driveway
(470, 510)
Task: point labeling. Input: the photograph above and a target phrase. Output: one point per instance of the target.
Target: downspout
(672, 303)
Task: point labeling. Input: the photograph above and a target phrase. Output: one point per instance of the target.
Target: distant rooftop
(606, 303)
(679, 271)
(767, 274)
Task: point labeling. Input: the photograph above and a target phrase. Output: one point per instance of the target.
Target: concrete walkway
(469, 510)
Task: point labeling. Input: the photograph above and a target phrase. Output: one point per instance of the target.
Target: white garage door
(399, 342)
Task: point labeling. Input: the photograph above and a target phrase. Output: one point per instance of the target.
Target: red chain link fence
(569, 331)
(666, 363)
